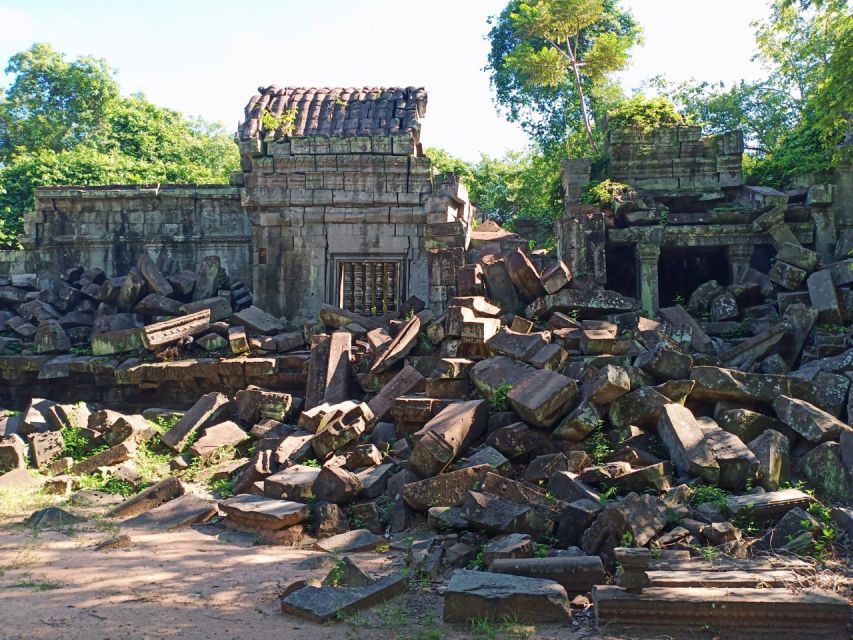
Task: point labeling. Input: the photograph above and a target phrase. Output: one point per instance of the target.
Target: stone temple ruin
(342, 210)
(547, 436)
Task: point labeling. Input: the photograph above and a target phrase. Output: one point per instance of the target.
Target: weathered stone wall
(314, 200)
(110, 227)
(673, 158)
(132, 383)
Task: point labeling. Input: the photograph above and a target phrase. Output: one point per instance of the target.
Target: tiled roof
(337, 111)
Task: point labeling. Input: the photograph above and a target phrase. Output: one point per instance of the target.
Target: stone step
(748, 613)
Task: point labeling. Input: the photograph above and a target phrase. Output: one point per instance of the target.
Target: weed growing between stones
(499, 400)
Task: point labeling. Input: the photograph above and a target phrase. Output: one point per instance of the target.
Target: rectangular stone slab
(324, 604)
(773, 504)
(266, 513)
(445, 490)
(719, 579)
(474, 595)
(447, 434)
(742, 611)
(406, 381)
(338, 369)
(164, 333)
(209, 408)
(181, 512)
(112, 456)
(150, 498)
(576, 574)
(684, 440)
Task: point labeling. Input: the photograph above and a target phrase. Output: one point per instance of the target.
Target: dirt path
(202, 583)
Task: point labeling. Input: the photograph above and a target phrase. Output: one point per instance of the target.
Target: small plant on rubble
(703, 493)
(77, 445)
(825, 534)
(222, 487)
(479, 561)
(312, 462)
(597, 445)
(499, 399)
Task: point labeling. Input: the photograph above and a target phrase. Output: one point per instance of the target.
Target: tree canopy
(550, 62)
(519, 185)
(66, 123)
(795, 118)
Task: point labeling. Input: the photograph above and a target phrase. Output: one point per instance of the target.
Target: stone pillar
(575, 176)
(820, 198)
(739, 256)
(843, 205)
(647, 273)
(581, 238)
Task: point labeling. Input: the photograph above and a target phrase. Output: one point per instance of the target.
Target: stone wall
(174, 384)
(673, 158)
(110, 227)
(312, 201)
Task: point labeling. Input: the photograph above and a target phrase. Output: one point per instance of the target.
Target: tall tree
(54, 104)
(549, 64)
(808, 46)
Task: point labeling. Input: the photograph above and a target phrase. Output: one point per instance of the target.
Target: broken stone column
(633, 565)
(447, 434)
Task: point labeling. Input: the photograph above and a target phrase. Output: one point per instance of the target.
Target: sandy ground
(201, 583)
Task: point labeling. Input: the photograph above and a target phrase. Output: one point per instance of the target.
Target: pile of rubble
(84, 311)
(535, 444)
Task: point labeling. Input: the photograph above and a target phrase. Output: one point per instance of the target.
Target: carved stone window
(369, 286)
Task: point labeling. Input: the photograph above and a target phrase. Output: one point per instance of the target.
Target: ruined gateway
(343, 208)
(512, 427)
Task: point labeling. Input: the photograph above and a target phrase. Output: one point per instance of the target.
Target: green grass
(97, 482)
(597, 445)
(703, 493)
(37, 584)
(223, 488)
(13, 501)
(164, 422)
(487, 628)
(77, 445)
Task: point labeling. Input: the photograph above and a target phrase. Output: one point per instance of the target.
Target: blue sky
(208, 57)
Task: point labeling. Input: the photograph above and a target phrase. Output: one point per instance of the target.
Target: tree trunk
(586, 120)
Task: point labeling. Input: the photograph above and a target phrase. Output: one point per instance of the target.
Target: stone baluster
(739, 256)
(647, 261)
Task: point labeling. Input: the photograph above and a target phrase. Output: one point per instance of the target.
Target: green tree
(549, 63)
(66, 123)
(54, 104)
(519, 185)
(794, 119)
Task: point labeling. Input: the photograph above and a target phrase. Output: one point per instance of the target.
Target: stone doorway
(682, 269)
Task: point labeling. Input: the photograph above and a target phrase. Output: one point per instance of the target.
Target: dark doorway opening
(762, 257)
(622, 270)
(681, 270)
